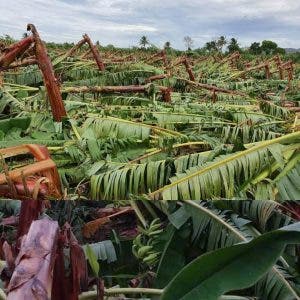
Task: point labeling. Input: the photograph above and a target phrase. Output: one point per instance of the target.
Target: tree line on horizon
(219, 45)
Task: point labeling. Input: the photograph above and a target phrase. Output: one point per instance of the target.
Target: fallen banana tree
(44, 63)
(165, 91)
(92, 48)
(197, 281)
(38, 180)
(120, 131)
(32, 276)
(41, 268)
(247, 165)
(187, 66)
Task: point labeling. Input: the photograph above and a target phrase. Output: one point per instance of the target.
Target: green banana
(142, 247)
(143, 250)
(135, 250)
(156, 232)
(154, 227)
(138, 241)
(155, 221)
(151, 257)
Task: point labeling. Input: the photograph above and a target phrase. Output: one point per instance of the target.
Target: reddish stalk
(95, 52)
(50, 82)
(185, 62)
(12, 52)
(37, 180)
(32, 277)
(23, 63)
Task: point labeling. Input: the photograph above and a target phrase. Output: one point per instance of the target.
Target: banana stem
(138, 213)
(116, 291)
(91, 295)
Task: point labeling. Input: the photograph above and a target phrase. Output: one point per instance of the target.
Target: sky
(123, 22)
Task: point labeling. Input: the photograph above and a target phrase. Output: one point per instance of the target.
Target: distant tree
(66, 45)
(188, 42)
(268, 47)
(200, 51)
(144, 41)
(7, 39)
(211, 46)
(280, 51)
(233, 45)
(221, 42)
(255, 48)
(167, 45)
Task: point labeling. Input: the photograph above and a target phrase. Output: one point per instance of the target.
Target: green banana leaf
(237, 267)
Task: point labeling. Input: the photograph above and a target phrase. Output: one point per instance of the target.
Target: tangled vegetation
(94, 123)
(159, 126)
(153, 250)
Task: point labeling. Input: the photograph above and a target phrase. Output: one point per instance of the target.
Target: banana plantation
(133, 128)
(150, 126)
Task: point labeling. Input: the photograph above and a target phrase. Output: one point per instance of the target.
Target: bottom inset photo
(164, 250)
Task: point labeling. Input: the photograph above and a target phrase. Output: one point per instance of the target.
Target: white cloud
(121, 22)
(67, 17)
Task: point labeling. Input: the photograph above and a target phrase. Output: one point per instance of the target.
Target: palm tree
(167, 45)
(233, 45)
(144, 41)
(221, 42)
(211, 46)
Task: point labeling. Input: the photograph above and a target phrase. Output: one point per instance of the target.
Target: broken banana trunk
(30, 211)
(165, 91)
(12, 52)
(39, 180)
(68, 287)
(40, 56)
(264, 65)
(184, 61)
(50, 82)
(23, 63)
(95, 52)
(32, 277)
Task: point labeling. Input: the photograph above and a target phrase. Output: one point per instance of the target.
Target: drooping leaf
(172, 258)
(93, 260)
(239, 266)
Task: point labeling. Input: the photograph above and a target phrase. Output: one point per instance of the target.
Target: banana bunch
(143, 244)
